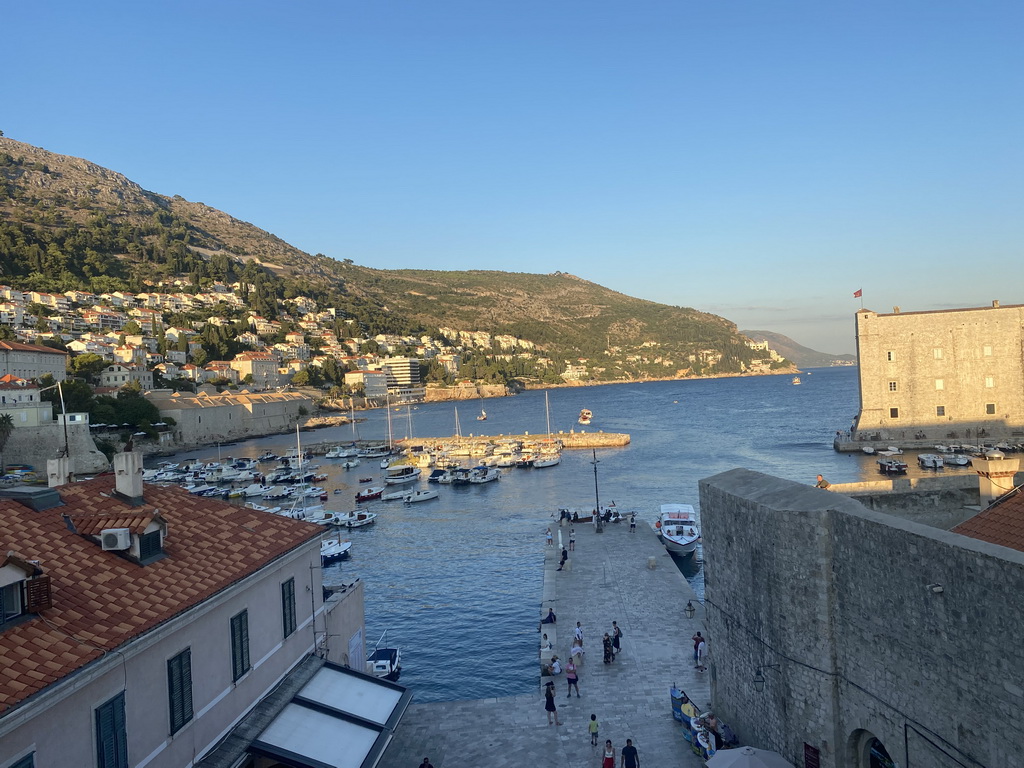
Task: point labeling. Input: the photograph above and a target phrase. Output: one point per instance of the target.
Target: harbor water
(456, 581)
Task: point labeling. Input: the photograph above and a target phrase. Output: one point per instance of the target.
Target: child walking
(592, 727)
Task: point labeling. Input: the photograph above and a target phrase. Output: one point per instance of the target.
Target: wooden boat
(365, 479)
(367, 494)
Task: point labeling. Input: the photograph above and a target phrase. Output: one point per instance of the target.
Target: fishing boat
(355, 519)
(891, 466)
(334, 549)
(678, 529)
(930, 461)
(796, 380)
(367, 494)
(415, 496)
(585, 416)
(384, 662)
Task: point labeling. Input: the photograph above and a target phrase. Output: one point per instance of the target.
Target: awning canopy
(339, 719)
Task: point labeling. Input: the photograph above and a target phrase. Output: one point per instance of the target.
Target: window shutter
(111, 736)
(179, 690)
(37, 594)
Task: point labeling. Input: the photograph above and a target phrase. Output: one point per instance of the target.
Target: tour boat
(370, 493)
(678, 529)
(585, 416)
(427, 495)
(796, 380)
(406, 473)
(333, 549)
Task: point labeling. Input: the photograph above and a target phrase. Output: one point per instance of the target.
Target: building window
(239, 645)
(940, 410)
(990, 381)
(892, 386)
(940, 384)
(986, 351)
(28, 761)
(288, 606)
(894, 413)
(179, 689)
(990, 409)
(937, 352)
(111, 735)
(890, 356)
(11, 603)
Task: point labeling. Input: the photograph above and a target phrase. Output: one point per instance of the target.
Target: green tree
(6, 428)
(86, 365)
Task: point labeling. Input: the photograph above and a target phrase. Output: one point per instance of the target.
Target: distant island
(802, 356)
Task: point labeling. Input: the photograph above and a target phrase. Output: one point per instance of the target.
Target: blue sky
(758, 160)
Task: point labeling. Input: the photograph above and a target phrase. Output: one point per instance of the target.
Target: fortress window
(892, 386)
(894, 413)
(940, 410)
(938, 353)
(990, 409)
(890, 355)
(990, 381)
(940, 384)
(987, 350)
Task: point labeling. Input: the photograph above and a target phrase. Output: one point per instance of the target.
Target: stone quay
(611, 576)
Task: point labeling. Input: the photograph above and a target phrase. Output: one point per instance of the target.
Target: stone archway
(868, 751)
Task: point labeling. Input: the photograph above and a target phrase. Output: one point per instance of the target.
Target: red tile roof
(100, 599)
(14, 346)
(1001, 524)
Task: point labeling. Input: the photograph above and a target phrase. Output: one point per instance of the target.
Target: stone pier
(614, 575)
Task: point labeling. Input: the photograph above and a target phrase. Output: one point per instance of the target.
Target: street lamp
(597, 497)
(759, 678)
(689, 610)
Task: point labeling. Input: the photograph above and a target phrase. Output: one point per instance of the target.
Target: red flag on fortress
(858, 293)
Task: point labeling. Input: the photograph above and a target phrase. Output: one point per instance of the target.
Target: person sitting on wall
(822, 483)
(550, 618)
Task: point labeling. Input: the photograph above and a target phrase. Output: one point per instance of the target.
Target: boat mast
(458, 429)
(547, 413)
(387, 402)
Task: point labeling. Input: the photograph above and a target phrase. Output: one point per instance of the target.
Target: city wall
(204, 420)
(841, 601)
(36, 445)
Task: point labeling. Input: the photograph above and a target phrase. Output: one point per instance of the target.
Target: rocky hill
(68, 223)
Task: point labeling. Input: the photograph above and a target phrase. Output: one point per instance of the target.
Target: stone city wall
(840, 598)
(37, 445)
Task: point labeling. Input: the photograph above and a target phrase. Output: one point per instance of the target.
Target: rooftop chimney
(128, 476)
(995, 475)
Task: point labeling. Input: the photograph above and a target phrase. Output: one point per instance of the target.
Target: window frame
(890, 355)
(940, 410)
(17, 589)
(180, 709)
(28, 761)
(289, 622)
(240, 663)
(894, 413)
(893, 386)
(990, 409)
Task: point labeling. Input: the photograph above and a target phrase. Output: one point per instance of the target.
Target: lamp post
(597, 497)
(689, 610)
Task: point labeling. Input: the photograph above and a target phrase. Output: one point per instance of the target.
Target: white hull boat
(356, 519)
(334, 549)
(384, 662)
(398, 495)
(412, 498)
(403, 474)
(350, 464)
(484, 475)
(547, 460)
(930, 461)
(678, 529)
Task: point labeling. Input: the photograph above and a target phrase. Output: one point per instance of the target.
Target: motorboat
(586, 415)
(406, 473)
(355, 519)
(547, 460)
(891, 466)
(338, 452)
(276, 492)
(334, 549)
(261, 508)
(483, 474)
(436, 475)
(796, 381)
(930, 461)
(267, 457)
(427, 495)
(398, 495)
(367, 494)
(957, 460)
(374, 452)
(350, 463)
(678, 529)
(255, 489)
(384, 662)
(365, 479)
(385, 463)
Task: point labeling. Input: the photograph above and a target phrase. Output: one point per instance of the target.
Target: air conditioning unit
(116, 539)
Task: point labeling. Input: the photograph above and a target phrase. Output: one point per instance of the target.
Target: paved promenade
(608, 579)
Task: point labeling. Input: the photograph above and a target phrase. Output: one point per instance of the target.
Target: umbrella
(748, 757)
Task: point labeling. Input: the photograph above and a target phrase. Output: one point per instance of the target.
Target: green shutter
(240, 645)
(288, 606)
(111, 736)
(179, 690)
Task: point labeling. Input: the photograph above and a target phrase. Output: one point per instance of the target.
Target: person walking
(549, 703)
(572, 539)
(578, 633)
(608, 760)
(572, 678)
(630, 757)
(702, 651)
(632, 523)
(565, 556)
(592, 726)
(616, 636)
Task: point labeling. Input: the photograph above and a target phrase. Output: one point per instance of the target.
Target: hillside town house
(116, 376)
(143, 625)
(21, 401)
(261, 366)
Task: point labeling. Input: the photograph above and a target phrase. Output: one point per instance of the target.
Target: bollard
(652, 562)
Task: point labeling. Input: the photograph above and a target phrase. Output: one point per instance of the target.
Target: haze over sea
(457, 581)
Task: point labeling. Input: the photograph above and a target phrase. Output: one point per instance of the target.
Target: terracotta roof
(1001, 524)
(14, 346)
(100, 599)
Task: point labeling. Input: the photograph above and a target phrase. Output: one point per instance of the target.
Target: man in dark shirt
(630, 757)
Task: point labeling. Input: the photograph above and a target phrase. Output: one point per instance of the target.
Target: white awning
(339, 719)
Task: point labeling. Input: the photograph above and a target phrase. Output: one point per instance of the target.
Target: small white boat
(481, 474)
(370, 493)
(796, 381)
(930, 461)
(868, 450)
(356, 518)
(267, 457)
(385, 463)
(350, 464)
(586, 415)
(276, 492)
(334, 549)
(338, 452)
(892, 466)
(678, 529)
(398, 495)
(412, 498)
(957, 460)
(406, 473)
(547, 460)
(482, 416)
(261, 508)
